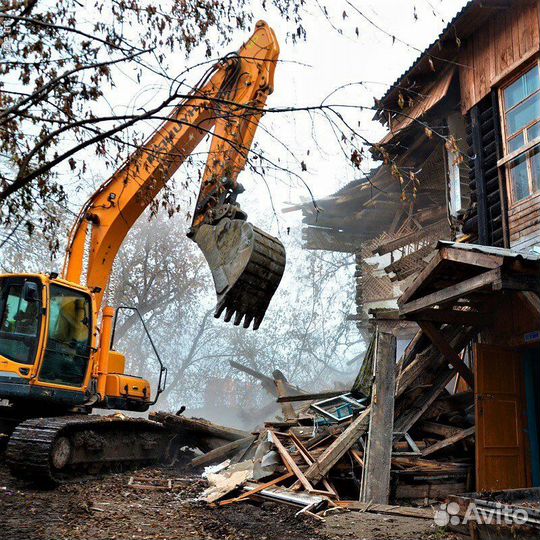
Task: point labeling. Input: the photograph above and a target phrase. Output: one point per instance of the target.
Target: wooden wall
(495, 50)
(524, 223)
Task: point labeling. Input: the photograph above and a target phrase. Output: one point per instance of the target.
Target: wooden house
(463, 166)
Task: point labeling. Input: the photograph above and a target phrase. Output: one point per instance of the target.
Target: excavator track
(50, 451)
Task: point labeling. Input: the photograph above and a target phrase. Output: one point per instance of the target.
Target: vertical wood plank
(376, 487)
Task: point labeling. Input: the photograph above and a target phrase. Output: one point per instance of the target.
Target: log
(183, 424)
(223, 452)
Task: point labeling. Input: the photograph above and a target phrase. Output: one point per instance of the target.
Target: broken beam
(482, 281)
(321, 467)
(437, 338)
(463, 434)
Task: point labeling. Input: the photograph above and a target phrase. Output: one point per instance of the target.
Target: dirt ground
(109, 508)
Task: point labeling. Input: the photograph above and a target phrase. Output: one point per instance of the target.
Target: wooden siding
(524, 223)
(496, 49)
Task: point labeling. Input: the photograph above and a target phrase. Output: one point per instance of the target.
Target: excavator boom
(246, 263)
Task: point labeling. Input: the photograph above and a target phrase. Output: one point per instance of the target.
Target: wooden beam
(289, 462)
(420, 278)
(463, 434)
(532, 299)
(435, 428)
(472, 258)
(413, 413)
(482, 281)
(222, 452)
(194, 425)
(454, 316)
(312, 397)
(321, 467)
(288, 411)
(395, 510)
(447, 351)
(378, 457)
(258, 489)
(429, 491)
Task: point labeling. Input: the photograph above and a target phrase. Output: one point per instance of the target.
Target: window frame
(87, 298)
(510, 156)
(20, 280)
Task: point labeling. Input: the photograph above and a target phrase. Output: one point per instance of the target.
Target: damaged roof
(490, 250)
(443, 50)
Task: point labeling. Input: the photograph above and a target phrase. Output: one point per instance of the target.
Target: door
(500, 437)
(68, 349)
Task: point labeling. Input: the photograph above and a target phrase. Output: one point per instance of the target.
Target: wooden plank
(376, 486)
(463, 434)
(289, 461)
(322, 466)
(454, 316)
(258, 489)
(482, 281)
(222, 452)
(407, 420)
(471, 257)
(288, 411)
(436, 428)
(419, 280)
(312, 397)
(429, 491)
(532, 299)
(409, 511)
(447, 351)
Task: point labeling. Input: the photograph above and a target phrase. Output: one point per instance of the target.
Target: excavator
(57, 355)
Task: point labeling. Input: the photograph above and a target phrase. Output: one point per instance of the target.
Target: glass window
(520, 178)
(521, 114)
(19, 322)
(520, 89)
(70, 331)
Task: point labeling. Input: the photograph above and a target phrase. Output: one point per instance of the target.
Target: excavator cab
(47, 347)
(46, 336)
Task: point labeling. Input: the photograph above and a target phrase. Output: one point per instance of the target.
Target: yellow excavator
(57, 357)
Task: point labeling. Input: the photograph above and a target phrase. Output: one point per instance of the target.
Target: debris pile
(316, 456)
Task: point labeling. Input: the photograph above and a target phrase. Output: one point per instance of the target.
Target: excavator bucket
(246, 264)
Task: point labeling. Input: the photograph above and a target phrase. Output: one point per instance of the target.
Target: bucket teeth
(246, 264)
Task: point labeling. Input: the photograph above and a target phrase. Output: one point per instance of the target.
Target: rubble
(316, 455)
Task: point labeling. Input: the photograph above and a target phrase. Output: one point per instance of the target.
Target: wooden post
(376, 486)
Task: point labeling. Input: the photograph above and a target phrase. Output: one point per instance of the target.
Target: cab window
(69, 340)
(19, 322)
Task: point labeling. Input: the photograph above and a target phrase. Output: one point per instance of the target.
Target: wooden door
(500, 437)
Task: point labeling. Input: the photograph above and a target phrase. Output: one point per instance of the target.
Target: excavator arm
(246, 263)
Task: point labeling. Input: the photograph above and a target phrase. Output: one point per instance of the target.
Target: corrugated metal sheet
(433, 96)
(489, 250)
(449, 28)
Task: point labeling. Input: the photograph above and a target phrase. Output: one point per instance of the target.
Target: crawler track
(50, 451)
